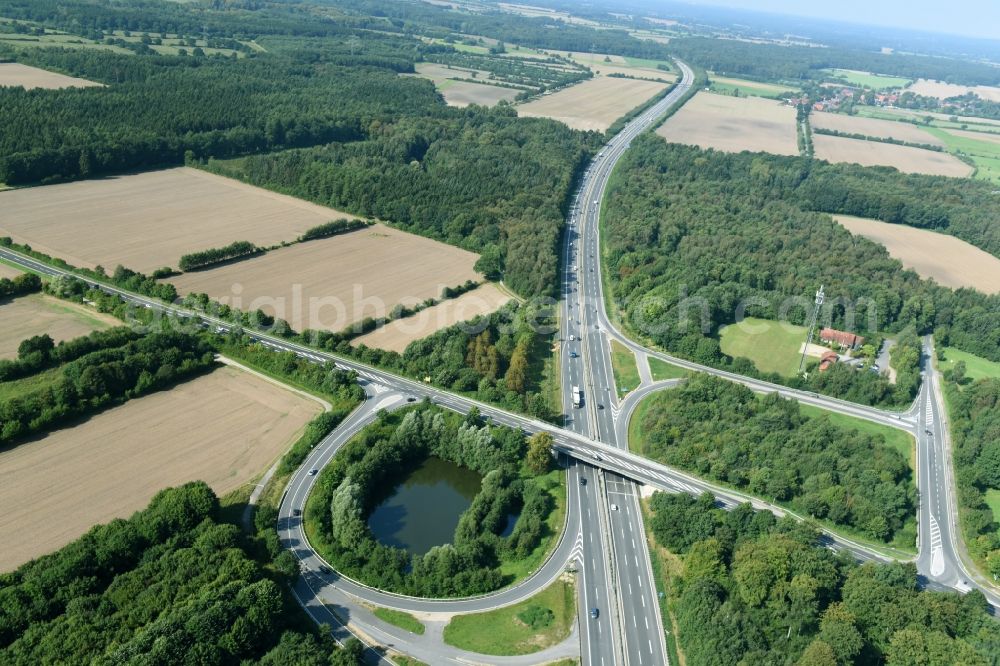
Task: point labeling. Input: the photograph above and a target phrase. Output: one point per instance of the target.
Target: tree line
(382, 455)
(218, 255)
(766, 447)
(171, 584)
(332, 228)
(756, 590)
(102, 378)
(974, 413)
(19, 285)
(693, 234)
(774, 62)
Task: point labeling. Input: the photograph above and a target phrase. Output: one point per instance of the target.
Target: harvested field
(943, 90)
(749, 87)
(948, 260)
(398, 334)
(330, 283)
(16, 74)
(874, 153)
(733, 124)
(224, 428)
(149, 220)
(593, 104)
(8, 272)
(464, 93)
(35, 314)
(883, 129)
(990, 137)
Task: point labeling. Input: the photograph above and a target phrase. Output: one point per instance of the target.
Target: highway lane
(632, 609)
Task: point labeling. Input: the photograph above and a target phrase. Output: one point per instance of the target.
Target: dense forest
(383, 454)
(765, 446)
(478, 178)
(974, 412)
(754, 590)
(114, 370)
(729, 57)
(172, 584)
(693, 234)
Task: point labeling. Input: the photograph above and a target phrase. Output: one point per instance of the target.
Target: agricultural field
(8, 272)
(603, 64)
(727, 85)
(331, 283)
(464, 93)
(594, 104)
(869, 80)
(942, 90)
(14, 74)
(733, 124)
(947, 260)
(773, 346)
(873, 153)
(224, 428)
(976, 367)
(36, 314)
(396, 335)
(148, 220)
(983, 148)
(883, 129)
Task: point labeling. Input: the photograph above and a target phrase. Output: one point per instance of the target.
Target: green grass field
(772, 346)
(976, 367)
(730, 86)
(500, 632)
(992, 498)
(624, 367)
(400, 619)
(876, 81)
(985, 154)
(663, 370)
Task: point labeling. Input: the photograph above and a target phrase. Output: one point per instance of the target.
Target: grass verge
(666, 568)
(624, 366)
(662, 370)
(976, 367)
(503, 632)
(555, 483)
(400, 619)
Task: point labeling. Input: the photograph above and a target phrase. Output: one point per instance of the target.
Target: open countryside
(333, 282)
(874, 153)
(941, 257)
(463, 92)
(733, 124)
(396, 335)
(16, 74)
(224, 428)
(149, 220)
(594, 104)
(943, 90)
(39, 314)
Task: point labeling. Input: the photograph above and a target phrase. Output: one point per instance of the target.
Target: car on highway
(583, 480)
(410, 398)
(614, 507)
(573, 354)
(324, 570)
(313, 472)
(594, 613)
(297, 512)
(572, 338)
(600, 406)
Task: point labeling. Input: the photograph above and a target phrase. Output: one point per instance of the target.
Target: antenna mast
(812, 326)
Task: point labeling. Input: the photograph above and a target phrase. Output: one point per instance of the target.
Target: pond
(423, 511)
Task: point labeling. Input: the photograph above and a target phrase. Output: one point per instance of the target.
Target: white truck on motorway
(577, 396)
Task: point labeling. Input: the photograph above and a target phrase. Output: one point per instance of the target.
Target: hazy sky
(980, 18)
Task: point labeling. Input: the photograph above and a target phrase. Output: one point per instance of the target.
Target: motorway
(618, 579)
(608, 544)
